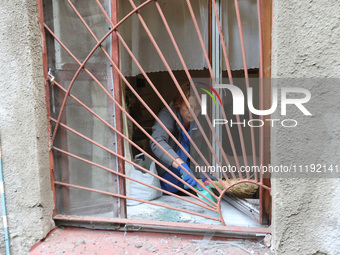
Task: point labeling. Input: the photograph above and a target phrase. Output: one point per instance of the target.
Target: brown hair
(178, 100)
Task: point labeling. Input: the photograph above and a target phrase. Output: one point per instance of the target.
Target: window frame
(264, 194)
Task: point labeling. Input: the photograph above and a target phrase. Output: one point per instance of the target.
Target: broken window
(112, 67)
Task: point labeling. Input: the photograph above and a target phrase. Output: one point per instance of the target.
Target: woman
(182, 112)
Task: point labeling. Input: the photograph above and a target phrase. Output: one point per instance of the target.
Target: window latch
(51, 76)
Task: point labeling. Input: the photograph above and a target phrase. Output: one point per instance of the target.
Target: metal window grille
(88, 114)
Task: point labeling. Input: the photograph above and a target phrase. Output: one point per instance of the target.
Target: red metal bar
(134, 144)
(213, 78)
(143, 201)
(62, 135)
(223, 43)
(170, 110)
(231, 82)
(47, 98)
(185, 100)
(122, 175)
(163, 61)
(265, 10)
(116, 68)
(164, 102)
(87, 58)
(141, 100)
(118, 113)
(261, 134)
(144, 131)
(186, 226)
(135, 199)
(237, 116)
(130, 141)
(247, 83)
(150, 82)
(160, 96)
(193, 87)
(200, 39)
(127, 114)
(260, 185)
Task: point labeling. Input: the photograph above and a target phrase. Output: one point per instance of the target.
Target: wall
(23, 126)
(306, 43)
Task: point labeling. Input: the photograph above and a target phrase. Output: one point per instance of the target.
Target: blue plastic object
(206, 193)
(203, 192)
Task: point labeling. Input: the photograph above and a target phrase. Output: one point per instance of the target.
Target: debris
(268, 240)
(125, 232)
(79, 242)
(139, 245)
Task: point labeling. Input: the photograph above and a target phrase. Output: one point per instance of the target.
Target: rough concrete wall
(23, 123)
(306, 43)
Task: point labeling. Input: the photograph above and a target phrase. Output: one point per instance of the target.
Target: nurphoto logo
(239, 103)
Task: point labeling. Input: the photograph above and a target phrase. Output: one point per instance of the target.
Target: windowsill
(72, 240)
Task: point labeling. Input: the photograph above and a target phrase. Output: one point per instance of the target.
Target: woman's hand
(177, 162)
(185, 176)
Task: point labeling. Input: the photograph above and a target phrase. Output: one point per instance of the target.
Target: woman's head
(181, 106)
(178, 99)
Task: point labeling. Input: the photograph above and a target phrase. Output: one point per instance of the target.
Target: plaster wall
(23, 127)
(306, 44)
